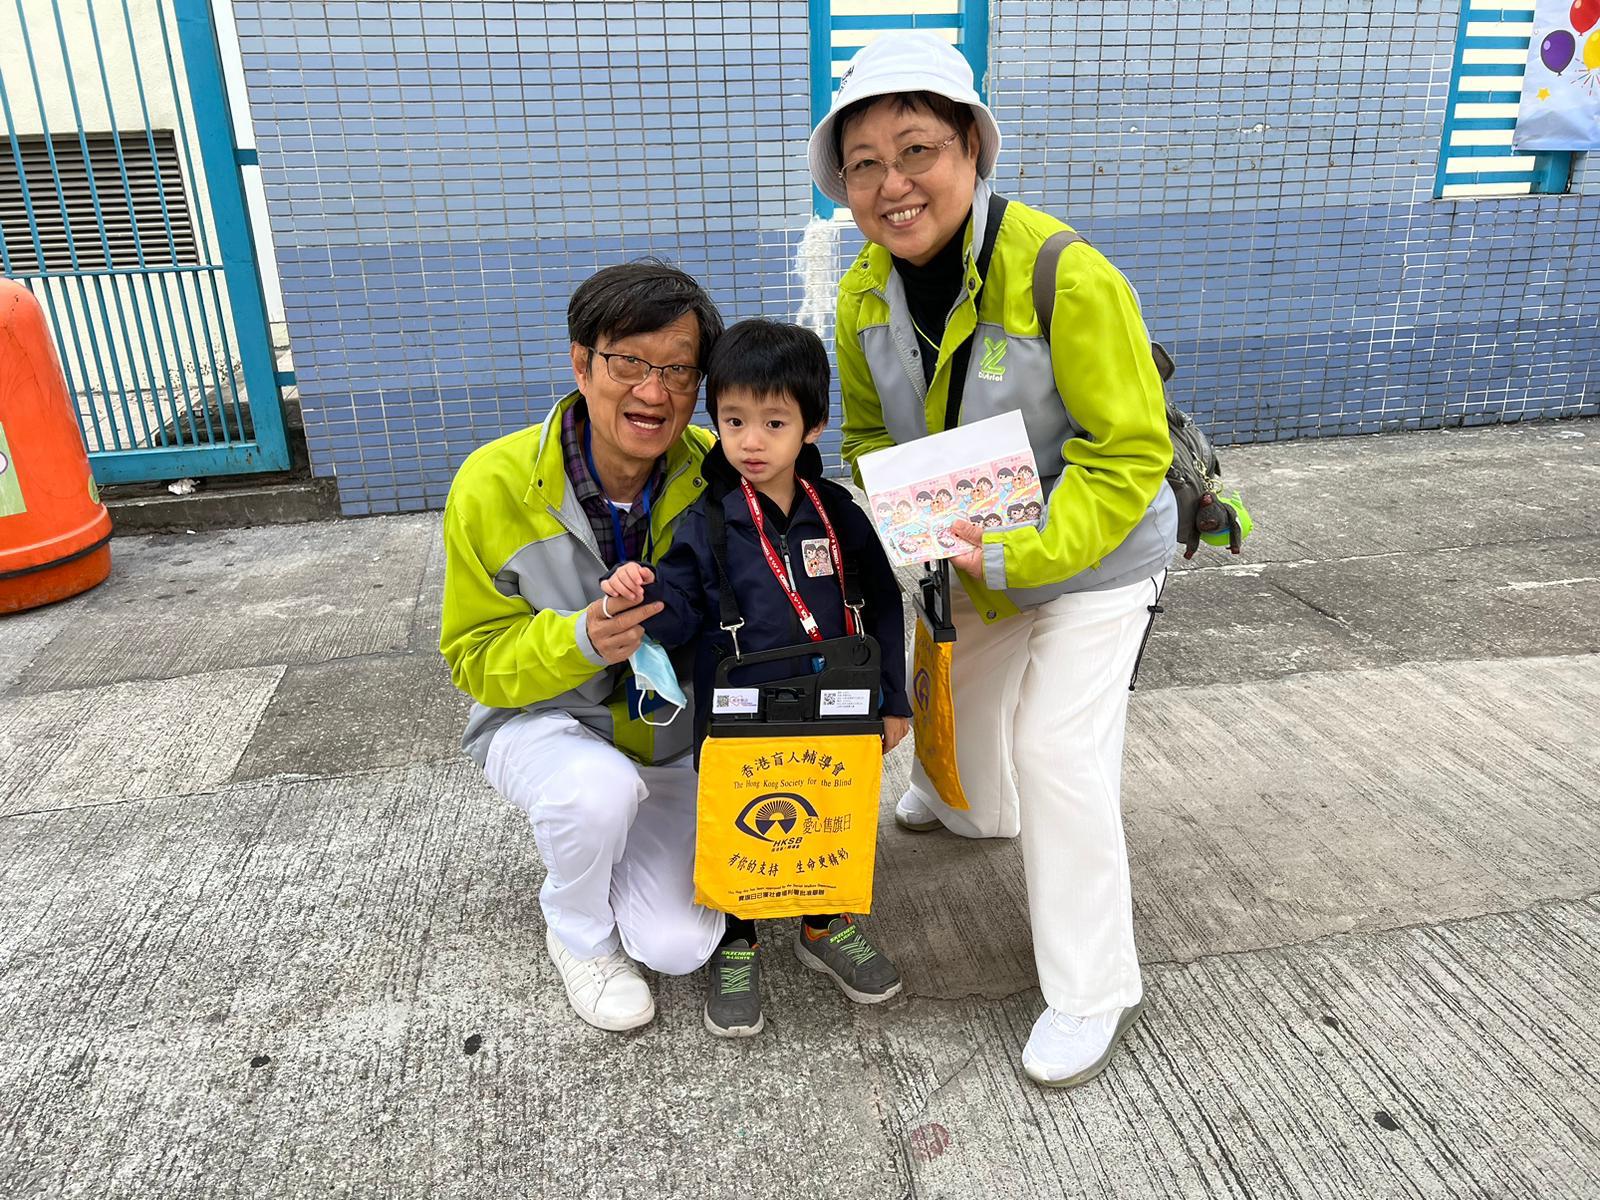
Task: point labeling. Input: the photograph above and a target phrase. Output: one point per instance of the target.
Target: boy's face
(762, 435)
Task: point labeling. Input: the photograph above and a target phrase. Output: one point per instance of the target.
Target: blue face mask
(652, 672)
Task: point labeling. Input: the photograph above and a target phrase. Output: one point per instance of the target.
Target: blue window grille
(1476, 158)
(841, 27)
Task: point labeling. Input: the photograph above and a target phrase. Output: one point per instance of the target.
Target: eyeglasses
(626, 369)
(865, 174)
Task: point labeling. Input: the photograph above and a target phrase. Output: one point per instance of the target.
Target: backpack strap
(728, 616)
(960, 360)
(1044, 274)
(1044, 292)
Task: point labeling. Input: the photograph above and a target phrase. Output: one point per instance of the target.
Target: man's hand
(617, 637)
(972, 560)
(627, 582)
(894, 728)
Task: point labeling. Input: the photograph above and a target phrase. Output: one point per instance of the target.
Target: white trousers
(1041, 701)
(617, 840)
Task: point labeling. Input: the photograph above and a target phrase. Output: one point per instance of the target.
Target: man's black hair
(769, 359)
(636, 297)
(953, 113)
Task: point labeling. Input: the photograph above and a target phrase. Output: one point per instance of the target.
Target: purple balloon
(1558, 50)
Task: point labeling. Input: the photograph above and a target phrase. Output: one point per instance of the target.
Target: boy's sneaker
(733, 995)
(862, 973)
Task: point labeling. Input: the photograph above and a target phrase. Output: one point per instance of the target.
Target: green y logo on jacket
(993, 364)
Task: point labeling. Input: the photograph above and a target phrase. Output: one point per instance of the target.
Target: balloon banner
(1560, 107)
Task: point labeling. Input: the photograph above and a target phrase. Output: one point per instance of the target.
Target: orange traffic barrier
(55, 535)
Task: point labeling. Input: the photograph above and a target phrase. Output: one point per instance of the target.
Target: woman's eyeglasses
(866, 174)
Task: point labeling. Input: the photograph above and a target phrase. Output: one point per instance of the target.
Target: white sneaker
(607, 991)
(1065, 1051)
(911, 813)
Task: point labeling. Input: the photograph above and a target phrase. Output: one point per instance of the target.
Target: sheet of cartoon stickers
(1001, 491)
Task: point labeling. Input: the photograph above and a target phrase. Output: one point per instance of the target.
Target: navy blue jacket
(686, 581)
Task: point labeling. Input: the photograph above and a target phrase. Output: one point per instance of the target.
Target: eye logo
(775, 810)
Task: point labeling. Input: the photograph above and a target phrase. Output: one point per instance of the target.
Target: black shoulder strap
(962, 358)
(1044, 274)
(728, 616)
(1044, 292)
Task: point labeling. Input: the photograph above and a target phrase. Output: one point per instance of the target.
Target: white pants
(617, 841)
(1041, 700)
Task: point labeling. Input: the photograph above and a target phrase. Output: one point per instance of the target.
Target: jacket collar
(724, 479)
(549, 474)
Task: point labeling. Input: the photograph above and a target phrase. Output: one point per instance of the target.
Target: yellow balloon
(1591, 51)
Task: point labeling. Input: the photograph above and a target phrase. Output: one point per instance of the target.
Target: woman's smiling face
(911, 216)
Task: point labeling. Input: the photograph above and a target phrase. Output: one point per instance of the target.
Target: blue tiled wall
(441, 176)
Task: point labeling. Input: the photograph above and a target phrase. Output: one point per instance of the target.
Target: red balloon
(1584, 14)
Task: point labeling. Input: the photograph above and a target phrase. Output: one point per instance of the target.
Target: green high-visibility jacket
(1089, 394)
(522, 567)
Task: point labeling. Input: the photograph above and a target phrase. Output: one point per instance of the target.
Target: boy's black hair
(1003, 473)
(1014, 510)
(924, 495)
(965, 483)
(769, 358)
(952, 112)
(641, 296)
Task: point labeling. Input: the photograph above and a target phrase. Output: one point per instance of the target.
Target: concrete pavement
(264, 932)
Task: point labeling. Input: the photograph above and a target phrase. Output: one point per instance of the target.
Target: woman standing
(1049, 619)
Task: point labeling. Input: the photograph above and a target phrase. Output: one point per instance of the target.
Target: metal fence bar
(72, 249)
(166, 224)
(234, 241)
(138, 239)
(38, 250)
(196, 64)
(105, 240)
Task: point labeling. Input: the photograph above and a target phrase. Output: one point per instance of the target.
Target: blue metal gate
(122, 209)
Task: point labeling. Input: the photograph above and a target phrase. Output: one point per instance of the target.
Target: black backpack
(1195, 476)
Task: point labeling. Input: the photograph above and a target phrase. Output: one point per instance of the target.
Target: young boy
(787, 527)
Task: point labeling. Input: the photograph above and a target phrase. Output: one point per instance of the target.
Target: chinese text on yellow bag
(788, 825)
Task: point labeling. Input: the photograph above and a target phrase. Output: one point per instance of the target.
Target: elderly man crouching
(534, 520)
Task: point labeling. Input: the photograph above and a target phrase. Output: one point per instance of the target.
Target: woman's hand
(894, 729)
(970, 561)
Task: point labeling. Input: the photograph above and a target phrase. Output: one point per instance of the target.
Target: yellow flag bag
(788, 825)
(933, 710)
(933, 715)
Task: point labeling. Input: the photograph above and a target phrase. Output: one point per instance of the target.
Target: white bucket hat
(901, 61)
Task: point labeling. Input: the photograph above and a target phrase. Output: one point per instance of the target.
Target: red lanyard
(807, 621)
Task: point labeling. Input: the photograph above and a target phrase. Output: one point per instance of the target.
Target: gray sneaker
(862, 973)
(733, 994)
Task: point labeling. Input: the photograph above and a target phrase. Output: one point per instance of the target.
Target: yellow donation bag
(933, 715)
(788, 825)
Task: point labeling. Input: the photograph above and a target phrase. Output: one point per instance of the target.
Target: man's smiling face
(641, 422)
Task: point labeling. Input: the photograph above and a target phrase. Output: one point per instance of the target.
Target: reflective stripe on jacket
(1090, 397)
(521, 568)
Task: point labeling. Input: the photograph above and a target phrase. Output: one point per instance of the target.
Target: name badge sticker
(844, 702)
(817, 557)
(736, 700)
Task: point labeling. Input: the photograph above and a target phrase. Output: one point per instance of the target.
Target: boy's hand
(894, 728)
(972, 561)
(627, 582)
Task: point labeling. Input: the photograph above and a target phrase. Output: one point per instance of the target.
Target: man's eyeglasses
(632, 371)
(866, 174)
